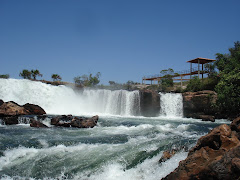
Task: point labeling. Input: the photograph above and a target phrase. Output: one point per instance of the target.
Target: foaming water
(64, 100)
(118, 148)
(171, 105)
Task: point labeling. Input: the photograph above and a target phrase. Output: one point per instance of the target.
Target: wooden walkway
(182, 74)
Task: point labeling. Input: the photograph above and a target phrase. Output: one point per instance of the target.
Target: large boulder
(34, 109)
(85, 123)
(215, 156)
(63, 120)
(196, 104)
(13, 109)
(71, 121)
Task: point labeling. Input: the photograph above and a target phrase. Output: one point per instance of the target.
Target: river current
(123, 146)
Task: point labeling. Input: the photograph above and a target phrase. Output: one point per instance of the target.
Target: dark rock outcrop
(215, 156)
(149, 103)
(10, 120)
(199, 105)
(71, 121)
(34, 109)
(38, 124)
(1, 102)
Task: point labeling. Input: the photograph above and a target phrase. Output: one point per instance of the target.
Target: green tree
(88, 80)
(194, 84)
(129, 85)
(112, 83)
(4, 76)
(35, 73)
(25, 74)
(56, 77)
(167, 77)
(78, 81)
(228, 88)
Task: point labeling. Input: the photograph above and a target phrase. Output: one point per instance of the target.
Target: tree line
(33, 74)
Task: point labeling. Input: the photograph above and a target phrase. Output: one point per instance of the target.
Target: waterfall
(64, 100)
(171, 104)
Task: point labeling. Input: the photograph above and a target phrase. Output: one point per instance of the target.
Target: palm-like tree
(56, 77)
(35, 73)
(26, 74)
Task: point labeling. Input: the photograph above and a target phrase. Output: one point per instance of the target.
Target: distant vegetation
(4, 76)
(26, 74)
(35, 73)
(87, 80)
(56, 77)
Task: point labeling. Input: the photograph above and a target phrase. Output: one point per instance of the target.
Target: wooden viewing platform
(193, 71)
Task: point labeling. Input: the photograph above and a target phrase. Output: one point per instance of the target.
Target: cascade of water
(171, 104)
(23, 120)
(64, 100)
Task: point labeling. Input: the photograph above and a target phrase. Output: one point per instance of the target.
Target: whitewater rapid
(121, 146)
(64, 100)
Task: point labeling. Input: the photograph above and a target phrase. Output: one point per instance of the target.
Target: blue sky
(122, 39)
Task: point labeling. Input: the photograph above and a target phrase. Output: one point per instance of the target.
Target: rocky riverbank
(215, 156)
(11, 113)
(198, 105)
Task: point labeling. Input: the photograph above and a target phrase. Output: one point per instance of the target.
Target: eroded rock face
(215, 156)
(197, 104)
(149, 103)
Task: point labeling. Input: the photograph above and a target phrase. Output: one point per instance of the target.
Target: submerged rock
(169, 153)
(38, 124)
(215, 156)
(166, 155)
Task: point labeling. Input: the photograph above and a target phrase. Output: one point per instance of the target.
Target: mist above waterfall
(64, 100)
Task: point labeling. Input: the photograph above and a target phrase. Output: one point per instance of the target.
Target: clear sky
(122, 39)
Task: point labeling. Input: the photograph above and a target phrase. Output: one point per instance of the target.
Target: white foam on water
(148, 170)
